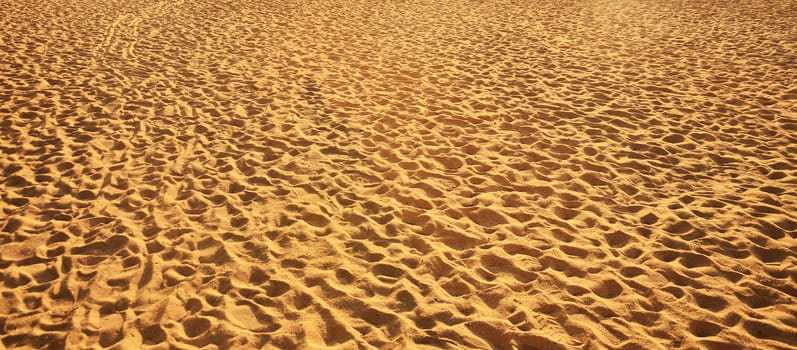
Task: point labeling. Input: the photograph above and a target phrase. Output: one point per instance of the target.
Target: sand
(398, 174)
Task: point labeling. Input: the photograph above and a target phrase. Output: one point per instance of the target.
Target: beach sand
(450, 174)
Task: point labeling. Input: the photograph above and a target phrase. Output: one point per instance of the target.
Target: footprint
(377, 318)
(316, 220)
(565, 213)
(17, 202)
(275, 288)
(618, 239)
(456, 287)
(709, 302)
(12, 225)
(194, 327)
(608, 289)
(679, 228)
(702, 328)
(249, 317)
(387, 273)
(85, 195)
(111, 330)
(153, 335)
(486, 217)
(766, 330)
(673, 138)
(649, 219)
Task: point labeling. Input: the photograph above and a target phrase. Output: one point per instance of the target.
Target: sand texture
(453, 174)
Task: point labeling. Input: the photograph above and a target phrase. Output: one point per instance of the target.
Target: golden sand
(398, 174)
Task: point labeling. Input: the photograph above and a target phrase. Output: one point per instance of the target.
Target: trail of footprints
(520, 175)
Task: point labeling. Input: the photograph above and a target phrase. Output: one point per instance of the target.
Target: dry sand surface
(398, 174)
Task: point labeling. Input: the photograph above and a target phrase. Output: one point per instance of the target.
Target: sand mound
(398, 174)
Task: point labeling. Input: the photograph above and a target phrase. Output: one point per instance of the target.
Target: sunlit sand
(398, 174)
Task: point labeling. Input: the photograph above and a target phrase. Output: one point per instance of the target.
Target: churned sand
(398, 174)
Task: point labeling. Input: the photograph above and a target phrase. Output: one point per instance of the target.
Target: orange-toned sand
(398, 174)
